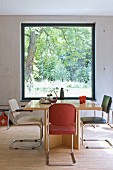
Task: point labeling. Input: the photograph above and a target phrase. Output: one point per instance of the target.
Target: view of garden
(55, 57)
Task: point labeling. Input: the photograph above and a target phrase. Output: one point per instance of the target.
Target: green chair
(106, 105)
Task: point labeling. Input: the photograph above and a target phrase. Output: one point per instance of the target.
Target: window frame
(23, 25)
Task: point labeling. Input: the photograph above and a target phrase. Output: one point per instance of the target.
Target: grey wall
(10, 52)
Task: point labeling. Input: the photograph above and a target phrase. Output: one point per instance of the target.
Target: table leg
(45, 129)
(55, 140)
(76, 141)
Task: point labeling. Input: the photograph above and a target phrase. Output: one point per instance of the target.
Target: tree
(58, 53)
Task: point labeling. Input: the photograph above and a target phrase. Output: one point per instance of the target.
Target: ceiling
(56, 7)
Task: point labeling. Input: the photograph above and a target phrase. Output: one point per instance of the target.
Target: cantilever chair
(17, 115)
(61, 121)
(106, 105)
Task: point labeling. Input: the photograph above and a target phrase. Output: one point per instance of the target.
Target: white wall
(10, 52)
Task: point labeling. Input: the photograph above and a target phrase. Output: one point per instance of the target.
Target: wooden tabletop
(89, 105)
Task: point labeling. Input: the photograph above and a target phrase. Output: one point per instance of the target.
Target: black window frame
(23, 25)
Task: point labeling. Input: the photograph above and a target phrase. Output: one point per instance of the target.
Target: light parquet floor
(87, 159)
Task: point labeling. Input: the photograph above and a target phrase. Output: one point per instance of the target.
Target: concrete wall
(10, 52)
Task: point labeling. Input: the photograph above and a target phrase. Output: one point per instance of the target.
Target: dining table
(65, 139)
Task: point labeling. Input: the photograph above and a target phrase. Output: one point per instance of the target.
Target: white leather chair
(30, 118)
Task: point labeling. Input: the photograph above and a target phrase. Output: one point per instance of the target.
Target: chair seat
(93, 120)
(61, 130)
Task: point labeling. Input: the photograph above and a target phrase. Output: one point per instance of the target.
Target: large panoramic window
(55, 56)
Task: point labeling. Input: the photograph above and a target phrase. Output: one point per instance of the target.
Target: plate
(45, 102)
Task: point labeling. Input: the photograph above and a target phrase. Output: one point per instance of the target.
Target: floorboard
(87, 159)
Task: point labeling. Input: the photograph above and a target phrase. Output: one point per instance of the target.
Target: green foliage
(62, 53)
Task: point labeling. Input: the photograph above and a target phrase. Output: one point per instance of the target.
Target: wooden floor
(87, 159)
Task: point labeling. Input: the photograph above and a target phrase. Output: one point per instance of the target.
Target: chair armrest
(22, 110)
(23, 105)
(4, 110)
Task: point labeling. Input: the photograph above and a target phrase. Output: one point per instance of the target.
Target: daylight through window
(56, 56)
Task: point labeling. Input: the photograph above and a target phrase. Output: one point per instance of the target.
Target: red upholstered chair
(61, 121)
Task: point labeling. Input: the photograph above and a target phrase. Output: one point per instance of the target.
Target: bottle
(61, 93)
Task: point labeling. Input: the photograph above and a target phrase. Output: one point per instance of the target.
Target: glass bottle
(61, 93)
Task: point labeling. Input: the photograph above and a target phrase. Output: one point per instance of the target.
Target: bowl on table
(52, 100)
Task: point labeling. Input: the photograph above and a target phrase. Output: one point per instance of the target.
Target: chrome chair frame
(72, 155)
(94, 125)
(36, 123)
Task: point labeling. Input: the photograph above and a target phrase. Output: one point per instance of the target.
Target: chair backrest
(106, 103)
(14, 106)
(62, 114)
